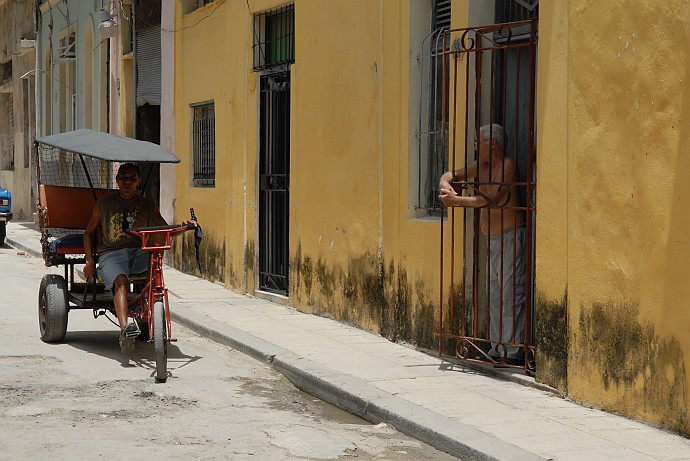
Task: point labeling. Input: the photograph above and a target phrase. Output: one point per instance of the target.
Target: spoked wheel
(160, 341)
(53, 308)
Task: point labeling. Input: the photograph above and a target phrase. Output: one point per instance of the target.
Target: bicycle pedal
(133, 332)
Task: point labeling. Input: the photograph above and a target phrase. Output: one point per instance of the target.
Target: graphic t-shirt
(116, 214)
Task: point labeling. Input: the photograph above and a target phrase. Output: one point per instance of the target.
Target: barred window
(516, 10)
(274, 38)
(432, 133)
(203, 145)
(187, 5)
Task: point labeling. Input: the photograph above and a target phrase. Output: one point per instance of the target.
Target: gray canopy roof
(109, 147)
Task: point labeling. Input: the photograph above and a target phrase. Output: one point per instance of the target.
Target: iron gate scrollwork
(490, 106)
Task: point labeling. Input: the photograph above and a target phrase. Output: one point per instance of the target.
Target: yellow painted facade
(612, 117)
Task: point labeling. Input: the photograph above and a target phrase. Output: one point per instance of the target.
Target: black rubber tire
(3, 232)
(160, 341)
(53, 308)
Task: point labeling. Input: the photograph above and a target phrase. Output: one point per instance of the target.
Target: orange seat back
(69, 207)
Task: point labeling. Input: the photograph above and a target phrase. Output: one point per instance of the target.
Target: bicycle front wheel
(160, 341)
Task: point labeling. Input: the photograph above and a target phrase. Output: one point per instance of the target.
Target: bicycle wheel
(160, 341)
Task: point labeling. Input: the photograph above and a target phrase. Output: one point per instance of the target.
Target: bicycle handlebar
(169, 230)
(169, 227)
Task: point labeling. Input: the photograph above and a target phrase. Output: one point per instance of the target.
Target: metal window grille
(516, 10)
(67, 51)
(432, 132)
(7, 139)
(204, 145)
(274, 38)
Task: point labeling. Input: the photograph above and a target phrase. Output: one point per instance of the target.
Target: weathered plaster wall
(202, 75)
(17, 123)
(552, 263)
(617, 74)
(355, 255)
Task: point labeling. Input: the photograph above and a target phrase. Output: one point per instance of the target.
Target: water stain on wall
(426, 318)
(212, 257)
(551, 341)
(249, 255)
(646, 371)
(249, 285)
(366, 293)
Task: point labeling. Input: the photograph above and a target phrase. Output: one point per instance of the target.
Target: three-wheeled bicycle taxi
(74, 170)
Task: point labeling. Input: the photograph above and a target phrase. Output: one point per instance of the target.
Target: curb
(349, 393)
(359, 398)
(18, 246)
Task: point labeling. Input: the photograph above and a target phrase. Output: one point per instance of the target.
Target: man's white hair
(494, 130)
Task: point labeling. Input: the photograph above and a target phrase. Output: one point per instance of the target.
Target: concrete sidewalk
(466, 413)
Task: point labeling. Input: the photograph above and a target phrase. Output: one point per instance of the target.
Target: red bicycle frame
(155, 288)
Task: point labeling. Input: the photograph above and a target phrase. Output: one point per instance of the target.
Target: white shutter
(148, 61)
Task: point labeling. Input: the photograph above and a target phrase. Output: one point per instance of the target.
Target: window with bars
(203, 145)
(432, 132)
(516, 10)
(7, 138)
(5, 72)
(187, 5)
(67, 51)
(274, 38)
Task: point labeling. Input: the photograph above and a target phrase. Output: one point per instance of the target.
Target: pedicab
(73, 170)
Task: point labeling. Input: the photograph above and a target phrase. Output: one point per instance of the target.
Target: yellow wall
(613, 118)
(611, 316)
(207, 71)
(354, 253)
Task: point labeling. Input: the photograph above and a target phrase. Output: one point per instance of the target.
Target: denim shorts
(126, 261)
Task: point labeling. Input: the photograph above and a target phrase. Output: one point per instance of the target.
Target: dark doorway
(274, 182)
(149, 129)
(490, 313)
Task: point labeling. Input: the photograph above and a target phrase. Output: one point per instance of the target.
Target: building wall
(354, 252)
(103, 76)
(167, 136)
(611, 316)
(225, 210)
(611, 246)
(17, 103)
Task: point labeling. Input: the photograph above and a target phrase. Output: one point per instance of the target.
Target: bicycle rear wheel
(160, 341)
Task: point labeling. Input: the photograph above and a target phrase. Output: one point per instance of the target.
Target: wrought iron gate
(490, 295)
(274, 175)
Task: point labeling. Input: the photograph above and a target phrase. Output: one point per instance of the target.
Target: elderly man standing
(504, 226)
